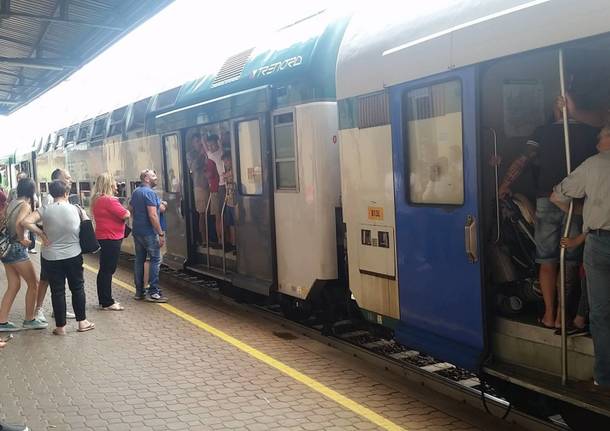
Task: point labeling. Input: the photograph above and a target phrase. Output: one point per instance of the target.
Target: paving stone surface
(147, 369)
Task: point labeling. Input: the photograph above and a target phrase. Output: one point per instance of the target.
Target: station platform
(199, 363)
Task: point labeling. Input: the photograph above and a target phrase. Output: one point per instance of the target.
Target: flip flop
(544, 325)
(89, 327)
(57, 332)
(114, 307)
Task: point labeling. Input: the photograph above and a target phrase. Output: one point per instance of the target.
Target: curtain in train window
(434, 144)
(250, 159)
(171, 149)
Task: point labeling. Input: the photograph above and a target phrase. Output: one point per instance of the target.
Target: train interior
(207, 240)
(234, 239)
(518, 95)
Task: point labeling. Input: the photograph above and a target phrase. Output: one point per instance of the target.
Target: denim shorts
(550, 223)
(16, 253)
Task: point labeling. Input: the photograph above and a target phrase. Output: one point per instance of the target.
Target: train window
(434, 144)
(83, 132)
(171, 152)
(284, 151)
(84, 188)
(61, 140)
(99, 127)
(250, 158)
(138, 114)
(117, 121)
(71, 136)
(134, 185)
(73, 188)
(43, 187)
(167, 98)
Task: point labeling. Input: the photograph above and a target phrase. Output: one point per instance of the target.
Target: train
(361, 144)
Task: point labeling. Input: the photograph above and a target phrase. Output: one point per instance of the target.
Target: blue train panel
(437, 213)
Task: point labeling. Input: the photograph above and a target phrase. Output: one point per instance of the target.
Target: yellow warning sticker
(375, 213)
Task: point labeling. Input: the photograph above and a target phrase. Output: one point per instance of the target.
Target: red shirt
(212, 174)
(109, 216)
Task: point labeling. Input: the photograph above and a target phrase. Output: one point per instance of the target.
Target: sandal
(89, 327)
(114, 307)
(59, 331)
(544, 325)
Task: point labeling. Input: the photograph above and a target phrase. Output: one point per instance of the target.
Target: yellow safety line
(349, 404)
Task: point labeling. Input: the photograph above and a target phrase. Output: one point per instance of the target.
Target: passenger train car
(380, 125)
(424, 98)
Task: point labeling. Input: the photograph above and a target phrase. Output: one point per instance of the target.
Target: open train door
(173, 194)
(254, 221)
(437, 217)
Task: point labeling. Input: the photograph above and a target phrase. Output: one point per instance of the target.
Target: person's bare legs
(13, 286)
(219, 230)
(548, 281)
(26, 271)
(42, 291)
(14, 273)
(202, 219)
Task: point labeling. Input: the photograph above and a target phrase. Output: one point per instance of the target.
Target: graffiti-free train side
(360, 149)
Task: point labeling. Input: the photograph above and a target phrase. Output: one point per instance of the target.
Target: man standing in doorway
(546, 150)
(148, 236)
(215, 155)
(591, 181)
(197, 159)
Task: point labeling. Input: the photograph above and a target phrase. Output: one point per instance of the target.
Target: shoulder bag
(88, 241)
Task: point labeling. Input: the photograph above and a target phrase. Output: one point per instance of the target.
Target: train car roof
(304, 51)
(384, 46)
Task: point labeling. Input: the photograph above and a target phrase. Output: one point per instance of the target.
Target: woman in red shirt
(110, 217)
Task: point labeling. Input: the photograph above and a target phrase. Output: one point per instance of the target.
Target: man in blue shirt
(148, 236)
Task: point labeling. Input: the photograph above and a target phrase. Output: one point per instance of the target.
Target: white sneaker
(69, 315)
(40, 315)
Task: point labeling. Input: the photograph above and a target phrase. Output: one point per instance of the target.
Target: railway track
(358, 339)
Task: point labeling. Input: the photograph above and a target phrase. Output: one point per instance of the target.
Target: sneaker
(40, 315)
(34, 324)
(69, 315)
(9, 327)
(32, 251)
(156, 297)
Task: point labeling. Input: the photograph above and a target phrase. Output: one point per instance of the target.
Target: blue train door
(437, 217)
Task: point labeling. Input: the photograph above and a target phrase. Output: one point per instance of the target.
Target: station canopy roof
(42, 42)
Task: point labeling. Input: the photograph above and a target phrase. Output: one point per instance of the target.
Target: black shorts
(43, 271)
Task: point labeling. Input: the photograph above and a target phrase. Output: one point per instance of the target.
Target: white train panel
(368, 205)
(305, 219)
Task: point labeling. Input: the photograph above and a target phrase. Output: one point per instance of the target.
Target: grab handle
(470, 239)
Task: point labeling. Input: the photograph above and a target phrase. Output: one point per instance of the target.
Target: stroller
(513, 265)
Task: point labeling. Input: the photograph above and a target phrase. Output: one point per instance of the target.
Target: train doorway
(524, 155)
(229, 202)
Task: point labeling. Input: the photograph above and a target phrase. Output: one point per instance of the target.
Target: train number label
(376, 213)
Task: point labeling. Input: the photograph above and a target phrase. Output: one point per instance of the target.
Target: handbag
(5, 240)
(127, 231)
(88, 241)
